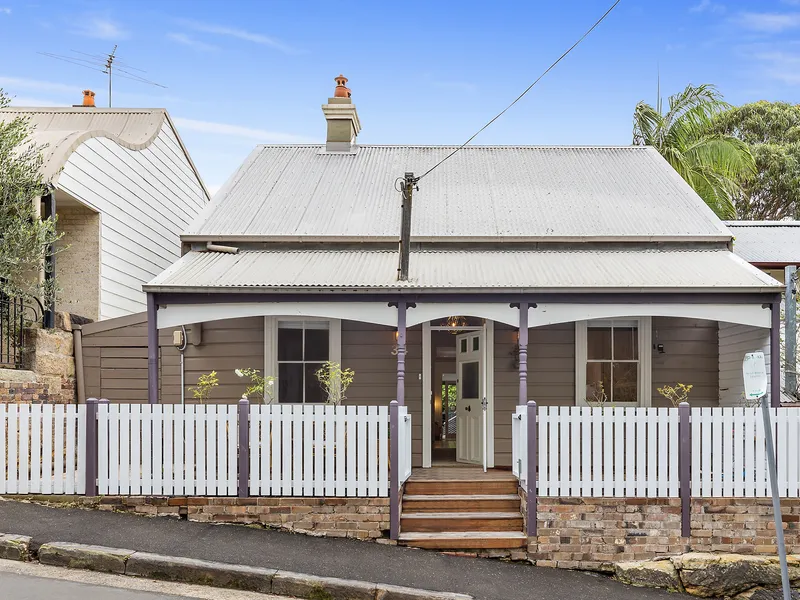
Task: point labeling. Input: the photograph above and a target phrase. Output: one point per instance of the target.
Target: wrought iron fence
(15, 316)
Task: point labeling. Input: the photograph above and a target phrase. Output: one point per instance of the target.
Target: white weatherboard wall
(734, 342)
(146, 198)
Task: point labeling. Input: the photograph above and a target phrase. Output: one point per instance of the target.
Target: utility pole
(790, 330)
(109, 62)
(409, 183)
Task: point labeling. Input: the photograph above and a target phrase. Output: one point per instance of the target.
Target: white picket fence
(612, 452)
(43, 447)
(404, 444)
(634, 452)
(729, 456)
(167, 450)
(319, 450)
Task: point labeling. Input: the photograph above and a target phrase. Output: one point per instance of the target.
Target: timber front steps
(461, 508)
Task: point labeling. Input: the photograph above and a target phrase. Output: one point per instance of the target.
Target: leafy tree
(772, 130)
(713, 163)
(25, 239)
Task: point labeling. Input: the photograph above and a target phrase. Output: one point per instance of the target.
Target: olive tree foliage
(772, 131)
(25, 239)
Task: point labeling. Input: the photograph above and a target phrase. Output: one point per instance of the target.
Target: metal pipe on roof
(212, 247)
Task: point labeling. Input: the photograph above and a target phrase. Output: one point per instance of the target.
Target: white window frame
(271, 325)
(645, 375)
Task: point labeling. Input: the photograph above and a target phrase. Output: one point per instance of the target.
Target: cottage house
(560, 274)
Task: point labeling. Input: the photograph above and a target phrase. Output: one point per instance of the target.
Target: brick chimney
(88, 99)
(342, 118)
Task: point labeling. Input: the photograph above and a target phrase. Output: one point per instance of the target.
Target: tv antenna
(108, 64)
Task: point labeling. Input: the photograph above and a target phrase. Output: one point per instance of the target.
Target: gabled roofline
(74, 138)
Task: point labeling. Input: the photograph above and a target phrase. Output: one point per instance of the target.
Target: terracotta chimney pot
(88, 98)
(341, 91)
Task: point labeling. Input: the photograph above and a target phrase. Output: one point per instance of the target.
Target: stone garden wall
(593, 533)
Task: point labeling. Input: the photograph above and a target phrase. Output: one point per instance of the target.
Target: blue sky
(241, 73)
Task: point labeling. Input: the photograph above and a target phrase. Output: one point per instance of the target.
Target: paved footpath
(328, 557)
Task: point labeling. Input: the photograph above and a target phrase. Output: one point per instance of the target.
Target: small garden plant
(677, 394)
(260, 387)
(334, 381)
(205, 384)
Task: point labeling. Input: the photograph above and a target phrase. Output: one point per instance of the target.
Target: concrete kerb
(214, 574)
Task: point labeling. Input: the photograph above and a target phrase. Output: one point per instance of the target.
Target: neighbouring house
(123, 187)
(774, 247)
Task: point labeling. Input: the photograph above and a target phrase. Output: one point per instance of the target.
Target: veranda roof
(590, 270)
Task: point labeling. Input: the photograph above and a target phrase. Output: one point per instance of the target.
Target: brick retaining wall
(589, 533)
(361, 518)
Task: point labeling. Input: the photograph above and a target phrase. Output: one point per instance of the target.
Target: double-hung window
(303, 347)
(613, 361)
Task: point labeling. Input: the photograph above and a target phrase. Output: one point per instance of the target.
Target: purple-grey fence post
(244, 448)
(533, 446)
(394, 471)
(684, 472)
(522, 344)
(91, 447)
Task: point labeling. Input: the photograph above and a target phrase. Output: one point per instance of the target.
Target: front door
(469, 401)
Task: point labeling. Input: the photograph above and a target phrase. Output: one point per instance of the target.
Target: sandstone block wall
(590, 533)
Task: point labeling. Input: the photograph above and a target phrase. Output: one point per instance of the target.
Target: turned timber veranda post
(394, 479)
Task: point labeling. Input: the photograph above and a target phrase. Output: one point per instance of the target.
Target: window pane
(317, 344)
(626, 343)
(598, 343)
(470, 383)
(290, 382)
(464, 345)
(625, 382)
(290, 344)
(598, 382)
(476, 344)
(314, 391)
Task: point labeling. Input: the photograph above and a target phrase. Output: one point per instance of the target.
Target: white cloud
(261, 135)
(768, 22)
(780, 65)
(12, 83)
(187, 40)
(5, 10)
(101, 28)
(708, 6)
(241, 34)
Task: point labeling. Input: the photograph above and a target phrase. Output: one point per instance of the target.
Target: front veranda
(441, 357)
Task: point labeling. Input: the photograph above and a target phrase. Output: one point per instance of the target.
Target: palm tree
(714, 164)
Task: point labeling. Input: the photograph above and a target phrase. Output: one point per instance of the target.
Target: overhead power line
(528, 89)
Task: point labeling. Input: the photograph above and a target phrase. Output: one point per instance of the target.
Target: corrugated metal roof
(767, 242)
(528, 192)
(63, 129)
(451, 270)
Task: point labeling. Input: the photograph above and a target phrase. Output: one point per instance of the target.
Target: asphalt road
(328, 557)
(25, 587)
(32, 581)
